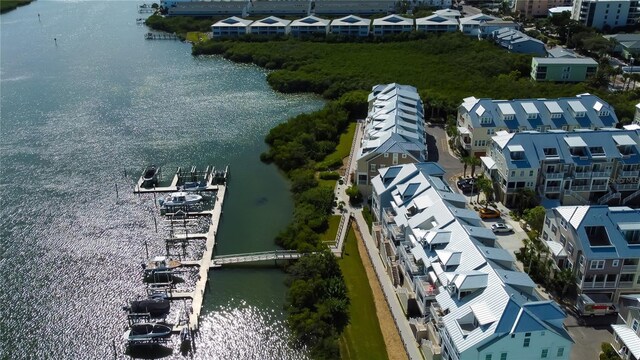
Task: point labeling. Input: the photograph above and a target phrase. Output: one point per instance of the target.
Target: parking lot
(588, 333)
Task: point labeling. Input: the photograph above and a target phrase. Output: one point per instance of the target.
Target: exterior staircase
(630, 197)
(395, 274)
(577, 196)
(608, 197)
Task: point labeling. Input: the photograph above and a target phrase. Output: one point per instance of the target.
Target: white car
(501, 228)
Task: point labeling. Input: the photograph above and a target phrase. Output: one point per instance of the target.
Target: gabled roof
(448, 13)
(629, 338)
(476, 19)
(437, 20)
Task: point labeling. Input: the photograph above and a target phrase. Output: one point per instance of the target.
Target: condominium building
(601, 14)
(270, 26)
(563, 69)
(569, 168)
(392, 24)
(350, 25)
(230, 27)
(636, 117)
(309, 25)
(470, 301)
(518, 42)
(537, 8)
(479, 119)
(393, 132)
(599, 244)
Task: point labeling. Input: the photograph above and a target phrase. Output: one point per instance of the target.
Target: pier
(194, 180)
(152, 36)
(255, 257)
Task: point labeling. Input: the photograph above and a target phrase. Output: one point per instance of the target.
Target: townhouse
(392, 24)
(627, 335)
(270, 26)
(627, 45)
(309, 25)
(569, 168)
(393, 132)
(479, 119)
(471, 302)
(437, 23)
(482, 25)
(230, 27)
(517, 42)
(600, 244)
(350, 25)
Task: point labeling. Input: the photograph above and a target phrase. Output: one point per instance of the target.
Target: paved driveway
(588, 334)
(438, 151)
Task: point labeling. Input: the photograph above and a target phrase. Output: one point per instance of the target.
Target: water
(75, 115)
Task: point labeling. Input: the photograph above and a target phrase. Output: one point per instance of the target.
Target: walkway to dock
(255, 257)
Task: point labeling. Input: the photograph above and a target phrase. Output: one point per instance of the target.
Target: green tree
(608, 352)
(564, 280)
(535, 218)
(525, 199)
(465, 160)
(355, 197)
(485, 186)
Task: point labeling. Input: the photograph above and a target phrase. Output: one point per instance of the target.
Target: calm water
(75, 115)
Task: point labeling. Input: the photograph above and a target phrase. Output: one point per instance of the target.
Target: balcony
(436, 314)
(598, 285)
(554, 175)
(601, 174)
(426, 288)
(622, 187)
(552, 189)
(600, 187)
(389, 215)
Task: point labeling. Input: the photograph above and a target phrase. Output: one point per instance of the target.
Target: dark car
(465, 182)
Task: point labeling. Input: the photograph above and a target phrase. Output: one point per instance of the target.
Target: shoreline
(9, 5)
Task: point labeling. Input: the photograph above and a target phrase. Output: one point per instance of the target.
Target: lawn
(362, 338)
(342, 150)
(196, 37)
(330, 234)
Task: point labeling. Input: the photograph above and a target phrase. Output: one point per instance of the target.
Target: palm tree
(473, 162)
(525, 198)
(484, 186)
(465, 160)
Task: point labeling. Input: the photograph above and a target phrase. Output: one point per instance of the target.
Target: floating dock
(207, 180)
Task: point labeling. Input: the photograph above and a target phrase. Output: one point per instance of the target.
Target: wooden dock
(209, 180)
(255, 257)
(152, 36)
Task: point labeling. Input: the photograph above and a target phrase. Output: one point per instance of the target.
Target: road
(438, 151)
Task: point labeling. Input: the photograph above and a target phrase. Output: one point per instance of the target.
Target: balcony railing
(599, 285)
(599, 187)
(629, 268)
(601, 174)
(632, 173)
(625, 284)
(581, 188)
(622, 187)
(552, 189)
(554, 175)
(582, 175)
(436, 314)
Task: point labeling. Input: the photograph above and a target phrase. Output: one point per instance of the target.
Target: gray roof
(569, 61)
(477, 108)
(560, 52)
(534, 143)
(614, 219)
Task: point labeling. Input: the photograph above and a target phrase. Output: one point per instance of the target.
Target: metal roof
(483, 313)
(629, 338)
(624, 140)
(574, 141)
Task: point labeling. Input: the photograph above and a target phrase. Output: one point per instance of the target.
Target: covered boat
(147, 331)
(161, 264)
(180, 198)
(155, 305)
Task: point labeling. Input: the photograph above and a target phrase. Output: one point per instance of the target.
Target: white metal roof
(553, 107)
(480, 110)
(463, 130)
(233, 21)
(556, 248)
(393, 19)
(482, 313)
(488, 162)
(506, 109)
(623, 140)
(310, 21)
(576, 106)
(530, 108)
(271, 21)
(629, 338)
(574, 141)
(515, 148)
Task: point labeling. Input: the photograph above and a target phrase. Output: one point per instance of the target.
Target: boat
(160, 264)
(195, 186)
(147, 331)
(154, 305)
(150, 176)
(180, 198)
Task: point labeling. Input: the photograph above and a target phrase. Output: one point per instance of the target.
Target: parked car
(486, 213)
(501, 228)
(469, 189)
(465, 182)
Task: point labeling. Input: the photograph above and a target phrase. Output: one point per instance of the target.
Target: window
(560, 352)
(570, 248)
(373, 167)
(615, 263)
(487, 357)
(386, 155)
(596, 265)
(521, 173)
(563, 240)
(531, 173)
(554, 229)
(491, 131)
(545, 236)
(581, 260)
(503, 356)
(635, 324)
(513, 173)
(404, 156)
(547, 221)
(544, 354)
(526, 343)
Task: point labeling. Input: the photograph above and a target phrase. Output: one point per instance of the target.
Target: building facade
(471, 301)
(581, 167)
(230, 27)
(600, 246)
(393, 132)
(270, 26)
(537, 8)
(437, 23)
(627, 335)
(392, 24)
(308, 26)
(602, 14)
(518, 42)
(562, 69)
(350, 25)
(479, 119)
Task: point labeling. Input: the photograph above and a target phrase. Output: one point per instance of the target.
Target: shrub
(329, 175)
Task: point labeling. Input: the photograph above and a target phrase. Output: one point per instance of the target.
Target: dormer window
(550, 152)
(485, 120)
(556, 115)
(596, 151)
(603, 113)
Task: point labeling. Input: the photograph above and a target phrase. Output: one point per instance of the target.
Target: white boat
(160, 264)
(180, 198)
(147, 331)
